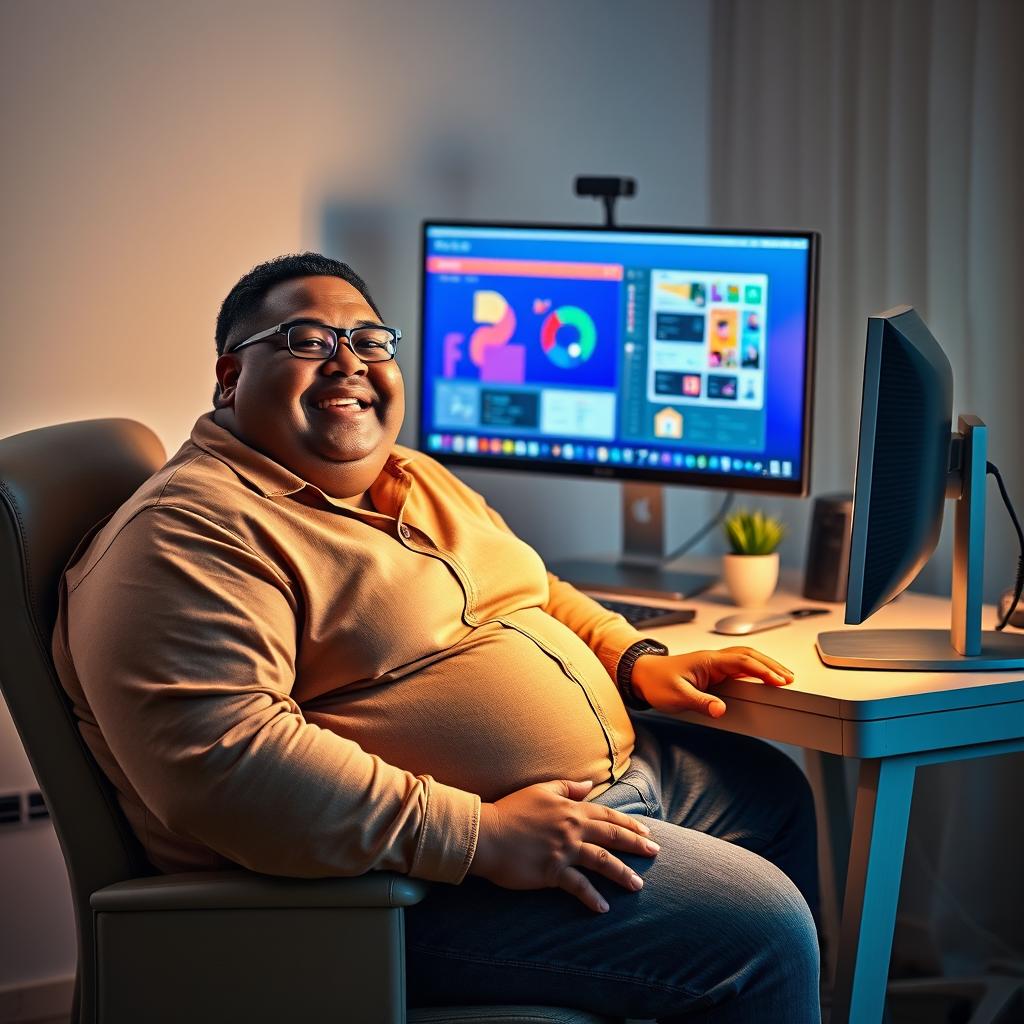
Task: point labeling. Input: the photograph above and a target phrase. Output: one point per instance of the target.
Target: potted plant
(751, 570)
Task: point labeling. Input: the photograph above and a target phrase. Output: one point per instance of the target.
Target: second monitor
(653, 356)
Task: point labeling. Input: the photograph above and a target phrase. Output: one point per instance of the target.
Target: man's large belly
(495, 713)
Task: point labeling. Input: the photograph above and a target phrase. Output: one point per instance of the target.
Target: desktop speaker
(828, 548)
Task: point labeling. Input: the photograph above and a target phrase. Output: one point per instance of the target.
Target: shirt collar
(270, 478)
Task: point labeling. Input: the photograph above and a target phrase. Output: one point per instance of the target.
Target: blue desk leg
(884, 790)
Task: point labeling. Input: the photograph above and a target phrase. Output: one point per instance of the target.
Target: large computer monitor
(648, 355)
(909, 462)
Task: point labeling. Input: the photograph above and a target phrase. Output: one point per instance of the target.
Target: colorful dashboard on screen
(669, 355)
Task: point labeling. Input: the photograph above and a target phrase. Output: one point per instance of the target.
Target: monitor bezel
(798, 487)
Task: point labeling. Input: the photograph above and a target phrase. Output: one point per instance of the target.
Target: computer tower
(828, 548)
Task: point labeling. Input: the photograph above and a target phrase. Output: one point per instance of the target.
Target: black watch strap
(624, 673)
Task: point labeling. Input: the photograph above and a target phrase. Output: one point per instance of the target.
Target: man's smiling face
(300, 411)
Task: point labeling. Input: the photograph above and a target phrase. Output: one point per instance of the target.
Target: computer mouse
(744, 624)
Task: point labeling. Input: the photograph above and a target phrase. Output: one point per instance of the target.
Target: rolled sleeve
(449, 834)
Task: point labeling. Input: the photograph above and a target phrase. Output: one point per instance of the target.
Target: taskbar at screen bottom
(586, 453)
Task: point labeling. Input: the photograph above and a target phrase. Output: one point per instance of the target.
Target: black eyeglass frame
(337, 332)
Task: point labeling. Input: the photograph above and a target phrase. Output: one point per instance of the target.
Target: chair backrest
(56, 483)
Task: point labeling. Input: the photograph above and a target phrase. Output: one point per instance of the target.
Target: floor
(919, 1009)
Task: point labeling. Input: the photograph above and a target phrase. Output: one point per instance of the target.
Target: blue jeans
(722, 930)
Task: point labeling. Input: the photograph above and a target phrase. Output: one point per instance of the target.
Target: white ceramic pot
(751, 579)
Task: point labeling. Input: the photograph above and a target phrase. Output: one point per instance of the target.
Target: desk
(891, 722)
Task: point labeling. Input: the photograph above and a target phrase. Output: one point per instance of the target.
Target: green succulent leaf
(753, 533)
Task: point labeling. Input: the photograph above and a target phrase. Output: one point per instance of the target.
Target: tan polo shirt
(276, 678)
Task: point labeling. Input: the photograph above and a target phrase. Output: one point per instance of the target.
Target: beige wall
(152, 152)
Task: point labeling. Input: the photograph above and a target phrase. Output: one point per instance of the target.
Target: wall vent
(37, 809)
(10, 809)
(22, 808)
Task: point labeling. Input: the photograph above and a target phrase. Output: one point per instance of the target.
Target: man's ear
(228, 369)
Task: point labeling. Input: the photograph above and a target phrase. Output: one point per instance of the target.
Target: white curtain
(896, 129)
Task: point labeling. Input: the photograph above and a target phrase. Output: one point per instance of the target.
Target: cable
(990, 468)
(702, 532)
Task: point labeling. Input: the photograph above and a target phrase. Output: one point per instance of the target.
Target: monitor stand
(639, 571)
(965, 647)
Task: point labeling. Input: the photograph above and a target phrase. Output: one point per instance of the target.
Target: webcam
(608, 189)
(600, 187)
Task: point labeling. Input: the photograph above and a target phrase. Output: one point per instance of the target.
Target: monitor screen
(667, 355)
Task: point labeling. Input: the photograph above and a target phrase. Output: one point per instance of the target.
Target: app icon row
(463, 444)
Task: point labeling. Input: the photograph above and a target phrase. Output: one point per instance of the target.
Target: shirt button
(405, 531)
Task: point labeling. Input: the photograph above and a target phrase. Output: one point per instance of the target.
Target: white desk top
(854, 711)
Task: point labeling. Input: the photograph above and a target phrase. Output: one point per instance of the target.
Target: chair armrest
(189, 947)
(233, 890)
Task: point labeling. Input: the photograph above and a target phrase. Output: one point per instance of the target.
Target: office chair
(220, 946)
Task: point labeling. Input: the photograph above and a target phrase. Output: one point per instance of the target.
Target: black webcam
(608, 190)
(601, 187)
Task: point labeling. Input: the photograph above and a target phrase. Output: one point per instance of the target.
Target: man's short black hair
(245, 300)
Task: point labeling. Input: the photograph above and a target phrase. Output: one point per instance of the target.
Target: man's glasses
(308, 339)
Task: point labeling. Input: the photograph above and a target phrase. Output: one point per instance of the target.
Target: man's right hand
(539, 837)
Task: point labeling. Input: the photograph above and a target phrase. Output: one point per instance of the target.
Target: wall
(154, 152)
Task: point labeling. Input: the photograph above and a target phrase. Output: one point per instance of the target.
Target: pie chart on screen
(568, 336)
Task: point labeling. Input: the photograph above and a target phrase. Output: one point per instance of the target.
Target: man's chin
(342, 454)
(344, 442)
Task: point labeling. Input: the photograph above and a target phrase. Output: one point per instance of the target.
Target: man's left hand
(679, 682)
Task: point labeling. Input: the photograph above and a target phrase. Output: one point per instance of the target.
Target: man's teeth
(328, 402)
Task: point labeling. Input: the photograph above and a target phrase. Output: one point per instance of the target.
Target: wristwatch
(624, 673)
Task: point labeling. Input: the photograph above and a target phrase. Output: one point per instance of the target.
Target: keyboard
(645, 616)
